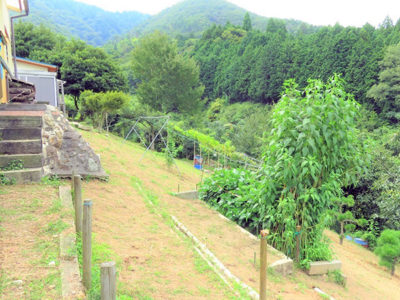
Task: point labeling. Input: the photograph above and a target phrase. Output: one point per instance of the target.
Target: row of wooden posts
(83, 224)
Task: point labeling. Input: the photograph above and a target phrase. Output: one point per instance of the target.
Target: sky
(316, 12)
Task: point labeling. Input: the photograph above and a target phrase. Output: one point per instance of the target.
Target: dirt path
(147, 244)
(29, 227)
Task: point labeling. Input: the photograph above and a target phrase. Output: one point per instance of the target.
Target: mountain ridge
(80, 20)
(187, 18)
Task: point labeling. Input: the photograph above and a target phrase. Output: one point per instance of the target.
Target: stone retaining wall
(64, 149)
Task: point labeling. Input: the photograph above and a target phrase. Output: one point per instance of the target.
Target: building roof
(50, 68)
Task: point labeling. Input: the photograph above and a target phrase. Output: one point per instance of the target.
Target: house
(44, 77)
(6, 57)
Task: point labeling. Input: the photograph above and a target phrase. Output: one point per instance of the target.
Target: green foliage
(247, 22)
(207, 141)
(345, 217)
(34, 40)
(97, 106)
(254, 66)
(244, 124)
(87, 68)
(83, 67)
(79, 20)
(52, 180)
(337, 276)
(228, 192)
(312, 152)
(4, 180)
(172, 150)
(15, 164)
(386, 92)
(377, 195)
(100, 253)
(70, 107)
(169, 81)
(388, 249)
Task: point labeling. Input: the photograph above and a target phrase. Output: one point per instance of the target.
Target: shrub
(388, 249)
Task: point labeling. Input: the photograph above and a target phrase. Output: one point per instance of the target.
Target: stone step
(28, 160)
(20, 133)
(21, 147)
(20, 121)
(24, 176)
(22, 107)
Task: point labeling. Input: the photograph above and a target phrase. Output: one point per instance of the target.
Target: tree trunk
(393, 266)
(76, 102)
(341, 233)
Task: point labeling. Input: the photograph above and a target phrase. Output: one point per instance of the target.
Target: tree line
(244, 64)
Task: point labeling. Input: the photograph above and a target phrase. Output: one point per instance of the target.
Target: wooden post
(78, 203)
(108, 281)
(298, 228)
(87, 244)
(72, 180)
(263, 265)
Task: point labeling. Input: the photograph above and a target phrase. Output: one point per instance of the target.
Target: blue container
(198, 162)
(349, 238)
(361, 242)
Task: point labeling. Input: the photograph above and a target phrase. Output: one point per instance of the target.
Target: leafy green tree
(169, 81)
(388, 249)
(31, 39)
(247, 22)
(97, 106)
(88, 68)
(345, 218)
(387, 92)
(313, 151)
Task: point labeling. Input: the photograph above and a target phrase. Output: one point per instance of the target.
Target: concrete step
(20, 121)
(21, 147)
(28, 160)
(22, 107)
(24, 176)
(20, 133)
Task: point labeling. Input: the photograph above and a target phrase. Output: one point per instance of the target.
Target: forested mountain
(87, 22)
(192, 17)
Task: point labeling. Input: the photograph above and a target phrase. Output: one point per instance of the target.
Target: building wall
(26, 67)
(6, 49)
(45, 85)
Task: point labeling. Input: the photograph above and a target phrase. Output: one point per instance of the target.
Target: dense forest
(246, 91)
(79, 20)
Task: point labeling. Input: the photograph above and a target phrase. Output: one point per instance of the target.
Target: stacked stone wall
(64, 149)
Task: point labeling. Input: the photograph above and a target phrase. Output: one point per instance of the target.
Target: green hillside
(89, 23)
(192, 17)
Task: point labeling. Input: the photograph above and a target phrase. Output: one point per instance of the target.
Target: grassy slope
(30, 223)
(131, 214)
(134, 184)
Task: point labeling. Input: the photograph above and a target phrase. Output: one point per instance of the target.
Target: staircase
(21, 140)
